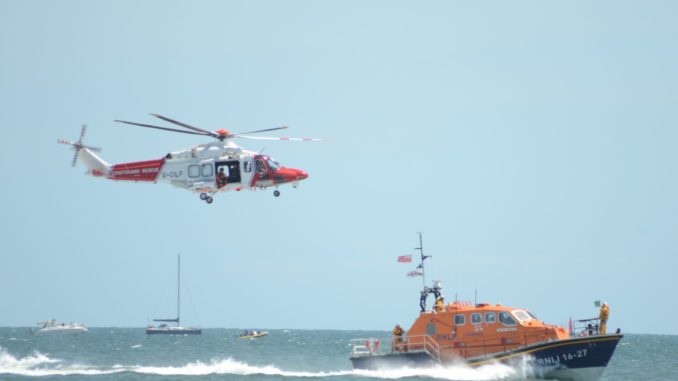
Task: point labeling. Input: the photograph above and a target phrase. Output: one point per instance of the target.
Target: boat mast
(178, 287)
(423, 258)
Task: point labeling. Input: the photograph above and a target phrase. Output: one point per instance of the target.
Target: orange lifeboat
(479, 334)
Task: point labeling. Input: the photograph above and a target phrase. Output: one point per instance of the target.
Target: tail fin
(96, 166)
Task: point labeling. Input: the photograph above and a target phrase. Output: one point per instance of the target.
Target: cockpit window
(261, 167)
(274, 165)
(522, 315)
(506, 319)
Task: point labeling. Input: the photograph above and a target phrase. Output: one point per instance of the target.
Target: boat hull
(574, 359)
(173, 331)
(60, 331)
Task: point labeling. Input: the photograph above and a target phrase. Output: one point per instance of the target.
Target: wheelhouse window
(506, 319)
(194, 171)
(459, 319)
(490, 317)
(476, 318)
(207, 170)
(522, 315)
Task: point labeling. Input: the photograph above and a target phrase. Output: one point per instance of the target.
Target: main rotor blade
(273, 138)
(257, 131)
(163, 128)
(166, 119)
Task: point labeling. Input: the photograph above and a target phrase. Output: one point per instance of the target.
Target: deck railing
(415, 343)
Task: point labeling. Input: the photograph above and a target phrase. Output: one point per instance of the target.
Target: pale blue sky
(533, 142)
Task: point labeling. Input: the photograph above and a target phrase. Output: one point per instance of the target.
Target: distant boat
(166, 329)
(53, 326)
(252, 335)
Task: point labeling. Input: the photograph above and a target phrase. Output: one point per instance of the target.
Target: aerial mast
(423, 258)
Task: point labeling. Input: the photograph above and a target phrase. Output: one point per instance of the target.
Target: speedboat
(52, 326)
(481, 333)
(252, 334)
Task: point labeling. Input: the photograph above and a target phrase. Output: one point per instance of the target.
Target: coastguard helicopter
(208, 168)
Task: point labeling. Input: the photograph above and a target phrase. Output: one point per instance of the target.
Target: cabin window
(506, 319)
(247, 166)
(193, 171)
(459, 319)
(431, 329)
(476, 318)
(207, 170)
(490, 317)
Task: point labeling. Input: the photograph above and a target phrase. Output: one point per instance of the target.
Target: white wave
(229, 366)
(8, 362)
(38, 364)
(448, 372)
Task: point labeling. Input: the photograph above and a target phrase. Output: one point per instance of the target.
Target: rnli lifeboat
(479, 334)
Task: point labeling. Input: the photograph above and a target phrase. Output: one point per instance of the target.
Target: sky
(533, 143)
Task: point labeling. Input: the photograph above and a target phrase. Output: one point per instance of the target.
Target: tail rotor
(77, 146)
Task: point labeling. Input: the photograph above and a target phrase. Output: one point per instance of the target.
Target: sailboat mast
(178, 287)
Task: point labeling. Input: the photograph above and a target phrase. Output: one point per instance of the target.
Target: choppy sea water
(116, 354)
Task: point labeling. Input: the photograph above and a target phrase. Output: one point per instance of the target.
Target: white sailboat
(167, 329)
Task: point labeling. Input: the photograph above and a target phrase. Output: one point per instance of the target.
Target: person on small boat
(398, 332)
(604, 314)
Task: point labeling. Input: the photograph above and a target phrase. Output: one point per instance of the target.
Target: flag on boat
(405, 258)
(414, 273)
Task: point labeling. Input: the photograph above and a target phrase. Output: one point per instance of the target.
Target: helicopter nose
(301, 175)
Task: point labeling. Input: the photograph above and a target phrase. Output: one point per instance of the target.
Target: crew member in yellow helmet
(397, 343)
(440, 304)
(604, 314)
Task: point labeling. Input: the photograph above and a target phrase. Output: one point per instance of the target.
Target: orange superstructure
(465, 330)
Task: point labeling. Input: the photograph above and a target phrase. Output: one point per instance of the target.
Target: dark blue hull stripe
(575, 353)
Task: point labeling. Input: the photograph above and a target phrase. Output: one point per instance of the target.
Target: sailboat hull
(173, 331)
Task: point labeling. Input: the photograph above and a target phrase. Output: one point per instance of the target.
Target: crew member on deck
(604, 314)
(440, 304)
(397, 338)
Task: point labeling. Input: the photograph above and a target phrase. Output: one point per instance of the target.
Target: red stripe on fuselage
(136, 171)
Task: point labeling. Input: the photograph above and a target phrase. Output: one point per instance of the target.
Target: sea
(116, 354)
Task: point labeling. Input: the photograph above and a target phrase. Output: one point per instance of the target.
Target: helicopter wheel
(276, 193)
(203, 196)
(208, 199)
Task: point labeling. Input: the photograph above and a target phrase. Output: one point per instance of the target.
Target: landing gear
(276, 193)
(206, 198)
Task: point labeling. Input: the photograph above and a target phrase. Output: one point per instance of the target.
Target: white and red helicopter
(208, 168)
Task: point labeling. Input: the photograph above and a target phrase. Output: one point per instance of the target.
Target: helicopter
(209, 168)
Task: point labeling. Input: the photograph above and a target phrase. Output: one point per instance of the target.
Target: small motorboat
(253, 334)
(53, 326)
